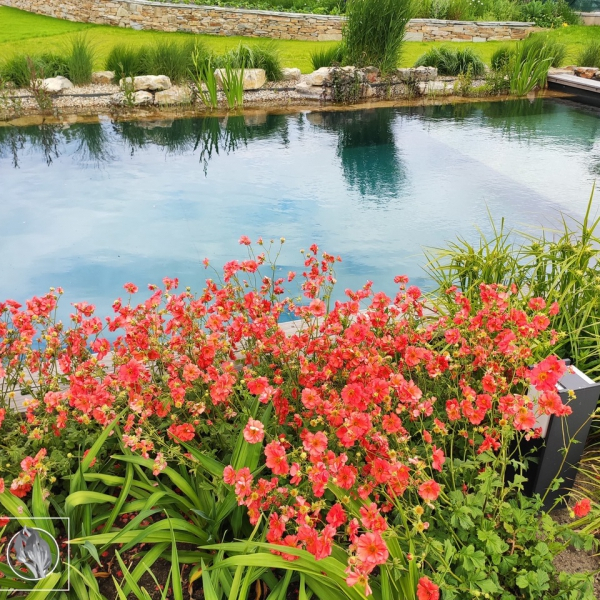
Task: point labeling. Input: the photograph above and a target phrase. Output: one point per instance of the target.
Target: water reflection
(366, 145)
(138, 201)
(44, 138)
(97, 143)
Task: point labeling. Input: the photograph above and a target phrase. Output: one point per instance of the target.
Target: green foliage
(264, 55)
(529, 63)
(452, 61)
(501, 58)
(589, 56)
(80, 60)
(327, 57)
(203, 76)
(170, 58)
(561, 268)
(124, 61)
(17, 69)
(549, 13)
(373, 34)
(232, 82)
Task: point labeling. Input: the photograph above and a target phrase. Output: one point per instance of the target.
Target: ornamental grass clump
(170, 58)
(453, 61)
(124, 61)
(374, 32)
(327, 57)
(264, 56)
(589, 56)
(376, 450)
(80, 60)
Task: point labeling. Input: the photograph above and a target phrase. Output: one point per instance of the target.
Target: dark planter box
(552, 462)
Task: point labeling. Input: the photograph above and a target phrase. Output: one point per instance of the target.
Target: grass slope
(25, 32)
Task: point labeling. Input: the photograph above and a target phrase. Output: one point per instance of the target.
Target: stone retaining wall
(144, 14)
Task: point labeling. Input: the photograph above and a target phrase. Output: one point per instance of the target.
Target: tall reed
(80, 60)
(374, 32)
(203, 76)
(232, 81)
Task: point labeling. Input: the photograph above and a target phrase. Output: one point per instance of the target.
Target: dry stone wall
(143, 14)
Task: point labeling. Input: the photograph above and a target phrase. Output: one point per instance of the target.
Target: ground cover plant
(364, 454)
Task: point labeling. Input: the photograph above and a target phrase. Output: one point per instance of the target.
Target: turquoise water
(90, 207)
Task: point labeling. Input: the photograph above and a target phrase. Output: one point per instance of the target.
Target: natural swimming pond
(91, 206)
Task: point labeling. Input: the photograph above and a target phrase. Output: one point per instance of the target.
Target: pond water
(92, 206)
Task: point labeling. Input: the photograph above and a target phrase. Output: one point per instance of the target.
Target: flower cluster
(360, 412)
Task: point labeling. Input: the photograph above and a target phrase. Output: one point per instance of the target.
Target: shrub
(450, 61)
(80, 60)
(549, 13)
(257, 56)
(374, 32)
(501, 58)
(327, 57)
(589, 56)
(124, 61)
(170, 58)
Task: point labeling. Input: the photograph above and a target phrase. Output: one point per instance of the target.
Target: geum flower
(254, 432)
(371, 550)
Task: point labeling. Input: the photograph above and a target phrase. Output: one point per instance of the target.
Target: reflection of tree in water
(207, 136)
(93, 142)
(44, 138)
(371, 162)
(92, 139)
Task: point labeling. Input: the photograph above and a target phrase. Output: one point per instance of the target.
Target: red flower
(427, 590)
(438, 458)
(582, 508)
(429, 490)
(183, 433)
(371, 549)
(254, 432)
(4, 521)
(276, 458)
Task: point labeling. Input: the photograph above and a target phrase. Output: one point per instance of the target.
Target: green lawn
(24, 32)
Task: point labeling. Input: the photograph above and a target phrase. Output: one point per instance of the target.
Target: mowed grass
(35, 34)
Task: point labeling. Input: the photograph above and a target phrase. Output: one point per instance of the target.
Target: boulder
(370, 74)
(320, 76)
(290, 74)
(417, 74)
(314, 92)
(103, 77)
(586, 72)
(436, 88)
(143, 98)
(54, 85)
(148, 83)
(174, 95)
(254, 79)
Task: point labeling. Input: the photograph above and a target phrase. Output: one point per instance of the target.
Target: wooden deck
(588, 90)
